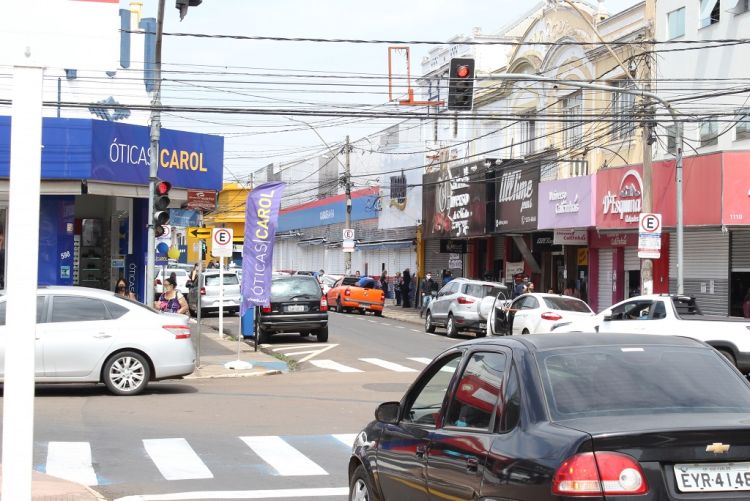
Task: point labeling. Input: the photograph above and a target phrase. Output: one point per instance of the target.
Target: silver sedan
(93, 336)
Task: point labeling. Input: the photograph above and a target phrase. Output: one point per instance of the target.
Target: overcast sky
(386, 19)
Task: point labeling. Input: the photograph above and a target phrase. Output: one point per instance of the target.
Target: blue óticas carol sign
(120, 152)
(261, 218)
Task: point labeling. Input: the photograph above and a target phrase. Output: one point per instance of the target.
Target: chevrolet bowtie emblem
(717, 448)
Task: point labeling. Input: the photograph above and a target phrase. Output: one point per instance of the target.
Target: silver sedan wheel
(126, 373)
(359, 491)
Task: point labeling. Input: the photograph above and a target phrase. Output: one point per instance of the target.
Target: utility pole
(153, 168)
(647, 265)
(348, 188)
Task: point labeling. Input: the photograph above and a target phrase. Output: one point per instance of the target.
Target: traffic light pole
(155, 134)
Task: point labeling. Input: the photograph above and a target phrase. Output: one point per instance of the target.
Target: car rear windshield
(349, 281)
(229, 279)
(299, 285)
(481, 291)
(616, 380)
(567, 304)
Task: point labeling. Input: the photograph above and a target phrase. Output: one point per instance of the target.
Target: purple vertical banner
(261, 218)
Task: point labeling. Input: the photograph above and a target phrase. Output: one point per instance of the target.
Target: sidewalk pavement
(215, 353)
(400, 313)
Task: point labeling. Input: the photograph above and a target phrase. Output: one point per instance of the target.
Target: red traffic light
(163, 187)
(463, 71)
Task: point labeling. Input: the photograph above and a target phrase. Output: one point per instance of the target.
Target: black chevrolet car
(563, 416)
(297, 305)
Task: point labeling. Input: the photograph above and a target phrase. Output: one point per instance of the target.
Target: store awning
(312, 241)
(386, 245)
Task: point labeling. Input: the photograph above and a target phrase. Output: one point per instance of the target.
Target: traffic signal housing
(461, 84)
(182, 6)
(161, 202)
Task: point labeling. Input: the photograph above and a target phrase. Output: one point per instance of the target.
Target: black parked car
(297, 305)
(561, 416)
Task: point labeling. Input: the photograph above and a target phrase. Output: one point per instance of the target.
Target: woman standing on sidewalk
(398, 283)
(406, 289)
(171, 300)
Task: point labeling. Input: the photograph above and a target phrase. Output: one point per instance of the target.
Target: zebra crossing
(177, 459)
(369, 363)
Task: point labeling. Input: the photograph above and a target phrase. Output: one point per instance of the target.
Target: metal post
(680, 221)
(21, 285)
(221, 297)
(154, 158)
(348, 224)
(198, 299)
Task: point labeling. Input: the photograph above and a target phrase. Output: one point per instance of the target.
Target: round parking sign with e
(651, 223)
(222, 242)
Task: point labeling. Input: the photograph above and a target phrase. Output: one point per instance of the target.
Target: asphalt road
(283, 437)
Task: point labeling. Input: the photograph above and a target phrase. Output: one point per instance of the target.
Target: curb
(94, 493)
(416, 321)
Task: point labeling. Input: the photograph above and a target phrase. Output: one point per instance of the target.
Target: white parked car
(181, 275)
(93, 336)
(538, 313)
(328, 281)
(675, 315)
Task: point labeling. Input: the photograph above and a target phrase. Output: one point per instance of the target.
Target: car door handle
(472, 464)
(102, 335)
(420, 451)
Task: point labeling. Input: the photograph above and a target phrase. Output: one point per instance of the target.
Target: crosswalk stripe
(175, 459)
(421, 360)
(284, 458)
(71, 461)
(388, 365)
(330, 364)
(346, 438)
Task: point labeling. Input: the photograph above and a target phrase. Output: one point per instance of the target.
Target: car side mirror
(387, 412)
(607, 318)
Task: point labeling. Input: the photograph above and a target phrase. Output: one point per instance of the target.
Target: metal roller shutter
(500, 247)
(605, 279)
(706, 258)
(740, 250)
(632, 261)
(434, 260)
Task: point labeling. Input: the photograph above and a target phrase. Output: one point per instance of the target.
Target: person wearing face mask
(429, 289)
(171, 300)
(121, 289)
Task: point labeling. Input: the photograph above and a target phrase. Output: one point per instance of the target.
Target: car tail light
(203, 291)
(597, 473)
(548, 315)
(465, 300)
(323, 304)
(382, 296)
(266, 309)
(179, 331)
(347, 292)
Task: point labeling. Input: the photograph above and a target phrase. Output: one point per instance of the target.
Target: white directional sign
(649, 236)
(221, 242)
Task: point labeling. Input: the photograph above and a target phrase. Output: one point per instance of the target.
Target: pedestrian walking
(520, 287)
(171, 300)
(447, 276)
(429, 289)
(121, 289)
(406, 289)
(398, 283)
(384, 281)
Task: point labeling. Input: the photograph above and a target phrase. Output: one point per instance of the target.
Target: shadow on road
(90, 390)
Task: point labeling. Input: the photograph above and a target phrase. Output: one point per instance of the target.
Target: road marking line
(284, 458)
(260, 494)
(372, 321)
(421, 360)
(175, 459)
(388, 365)
(335, 366)
(400, 327)
(416, 330)
(387, 325)
(71, 461)
(346, 438)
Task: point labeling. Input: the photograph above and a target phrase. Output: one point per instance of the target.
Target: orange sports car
(346, 296)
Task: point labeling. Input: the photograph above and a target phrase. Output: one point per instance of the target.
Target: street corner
(403, 314)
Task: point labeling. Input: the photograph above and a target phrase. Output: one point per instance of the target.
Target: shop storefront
(93, 209)
(566, 207)
(516, 214)
(736, 218)
(454, 209)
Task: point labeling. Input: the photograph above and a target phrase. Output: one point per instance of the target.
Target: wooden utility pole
(647, 265)
(348, 187)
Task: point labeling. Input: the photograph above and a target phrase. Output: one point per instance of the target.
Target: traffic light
(161, 202)
(182, 6)
(461, 84)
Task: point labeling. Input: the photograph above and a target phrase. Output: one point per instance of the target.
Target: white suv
(456, 306)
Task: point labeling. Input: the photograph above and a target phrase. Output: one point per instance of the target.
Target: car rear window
(615, 380)
(481, 291)
(229, 279)
(349, 281)
(298, 285)
(567, 304)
